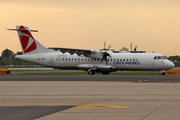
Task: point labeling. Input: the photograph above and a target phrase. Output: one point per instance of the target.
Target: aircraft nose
(171, 64)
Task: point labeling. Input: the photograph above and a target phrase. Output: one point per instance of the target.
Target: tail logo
(28, 43)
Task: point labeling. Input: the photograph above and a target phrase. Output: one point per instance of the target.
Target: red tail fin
(27, 40)
(29, 44)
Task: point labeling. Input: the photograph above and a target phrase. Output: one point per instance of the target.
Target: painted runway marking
(98, 106)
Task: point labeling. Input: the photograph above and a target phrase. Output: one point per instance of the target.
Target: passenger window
(98, 59)
(111, 59)
(66, 59)
(59, 59)
(56, 59)
(127, 60)
(69, 59)
(117, 59)
(72, 59)
(62, 59)
(75, 59)
(124, 60)
(136, 59)
(107, 59)
(121, 60)
(85, 59)
(94, 59)
(81, 59)
(130, 59)
(133, 59)
(78, 59)
(114, 59)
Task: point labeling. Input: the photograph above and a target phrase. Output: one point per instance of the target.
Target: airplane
(92, 61)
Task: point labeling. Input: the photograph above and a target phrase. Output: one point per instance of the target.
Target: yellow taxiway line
(98, 106)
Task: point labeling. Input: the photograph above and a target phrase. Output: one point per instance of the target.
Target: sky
(153, 25)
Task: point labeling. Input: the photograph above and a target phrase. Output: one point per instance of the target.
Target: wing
(137, 51)
(73, 51)
(89, 53)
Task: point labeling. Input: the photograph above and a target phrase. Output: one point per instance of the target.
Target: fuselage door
(51, 61)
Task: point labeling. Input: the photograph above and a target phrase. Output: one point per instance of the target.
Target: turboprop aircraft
(103, 61)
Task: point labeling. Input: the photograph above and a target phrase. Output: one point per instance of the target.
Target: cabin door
(51, 61)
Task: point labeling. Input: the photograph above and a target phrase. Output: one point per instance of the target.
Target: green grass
(85, 73)
(135, 73)
(23, 70)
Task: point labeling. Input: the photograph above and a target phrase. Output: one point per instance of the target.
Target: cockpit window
(163, 57)
(160, 57)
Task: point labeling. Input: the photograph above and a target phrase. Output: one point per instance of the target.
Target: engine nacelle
(95, 54)
(97, 67)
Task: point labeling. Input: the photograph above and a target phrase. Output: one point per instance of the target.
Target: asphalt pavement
(120, 78)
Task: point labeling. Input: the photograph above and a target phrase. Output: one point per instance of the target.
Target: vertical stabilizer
(29, 44)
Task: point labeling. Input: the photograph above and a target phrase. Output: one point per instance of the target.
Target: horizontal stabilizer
(23, 30)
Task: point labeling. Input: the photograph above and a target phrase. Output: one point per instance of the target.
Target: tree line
(8, 58)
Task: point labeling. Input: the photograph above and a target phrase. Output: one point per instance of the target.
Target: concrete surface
(97, 100)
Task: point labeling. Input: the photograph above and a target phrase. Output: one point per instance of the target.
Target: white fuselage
(118, 61)
(103, 61)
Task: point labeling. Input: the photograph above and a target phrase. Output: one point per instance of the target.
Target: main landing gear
(91, 72)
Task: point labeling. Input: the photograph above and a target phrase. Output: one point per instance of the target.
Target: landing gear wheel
(90, 72)
(105, 73)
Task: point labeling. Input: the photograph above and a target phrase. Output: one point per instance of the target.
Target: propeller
(135, 48)
(104, 45)
(105, 54)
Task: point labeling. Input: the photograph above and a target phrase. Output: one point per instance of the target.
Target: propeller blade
(104, 44)
(131, 46)
(105, 53)
(135, 48)
(109, 47)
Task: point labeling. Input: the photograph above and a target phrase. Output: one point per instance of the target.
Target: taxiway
(89, 97)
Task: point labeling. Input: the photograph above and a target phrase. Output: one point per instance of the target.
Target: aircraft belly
(66, 65)
(97, 67)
